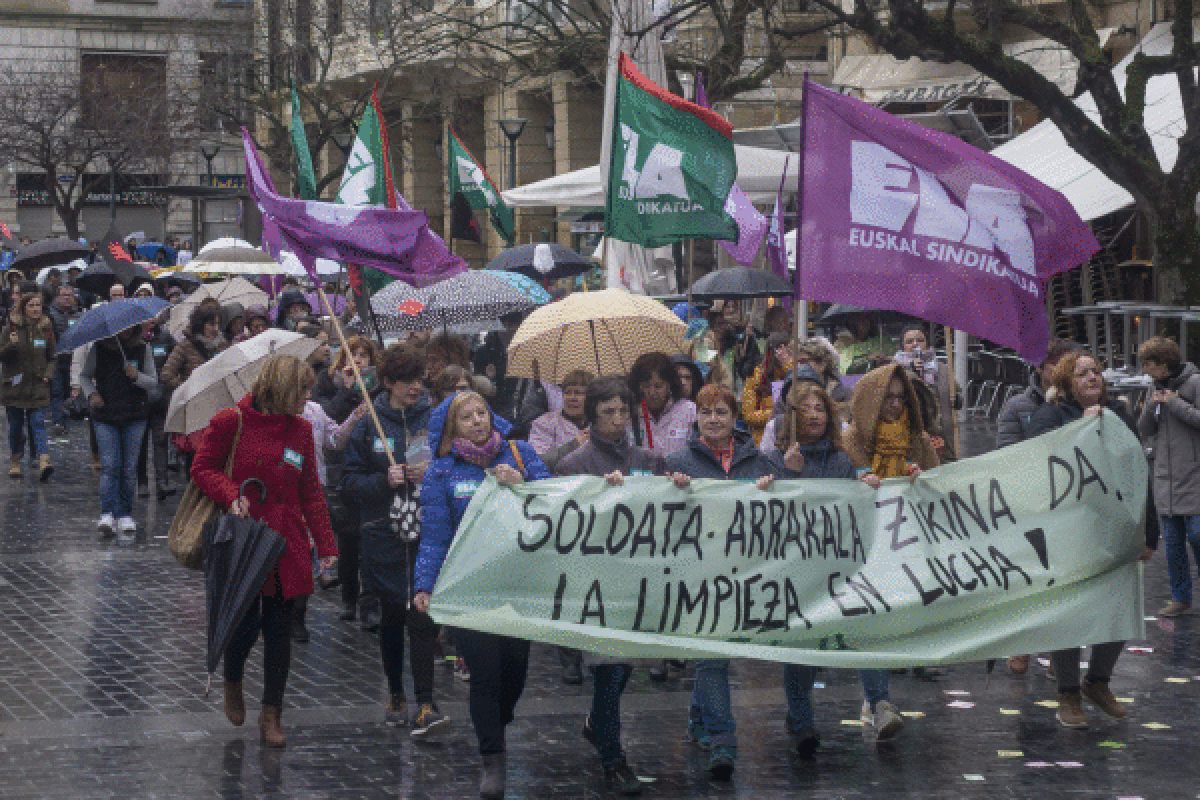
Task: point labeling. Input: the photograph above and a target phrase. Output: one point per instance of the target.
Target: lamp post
(112, 156)
(512, 128)
(209, 151)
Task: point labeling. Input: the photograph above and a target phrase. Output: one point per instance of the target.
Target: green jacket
(28, 364)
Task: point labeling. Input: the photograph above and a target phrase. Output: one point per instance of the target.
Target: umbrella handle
(262, 488)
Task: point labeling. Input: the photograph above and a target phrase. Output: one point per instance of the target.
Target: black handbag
(76, 406)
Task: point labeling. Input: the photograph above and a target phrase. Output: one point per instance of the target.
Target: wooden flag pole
(691, 276)
(387, 446)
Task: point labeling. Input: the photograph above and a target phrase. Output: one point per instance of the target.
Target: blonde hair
(282, 385)
(450, 431)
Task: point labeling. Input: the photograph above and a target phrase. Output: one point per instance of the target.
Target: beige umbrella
(233, 290)
(234, 261)
(225, 379)
(601, 332)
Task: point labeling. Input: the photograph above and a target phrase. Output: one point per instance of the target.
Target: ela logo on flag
(882, 196)
(661, 173)
(472, 177)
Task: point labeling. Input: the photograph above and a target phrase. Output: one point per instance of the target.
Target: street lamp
(209, 151)
(512, 128)
(549, 135)
(113, 156)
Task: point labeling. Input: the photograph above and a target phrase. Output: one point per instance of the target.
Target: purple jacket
(670, 433)
(551, 430)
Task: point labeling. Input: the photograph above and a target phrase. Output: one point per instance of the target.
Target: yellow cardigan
(756, 411)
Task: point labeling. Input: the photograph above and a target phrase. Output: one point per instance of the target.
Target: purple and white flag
(381, 238)
(776, 247)
(901, 217)
(751, 224)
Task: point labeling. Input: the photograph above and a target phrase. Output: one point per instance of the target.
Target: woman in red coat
(276, 447)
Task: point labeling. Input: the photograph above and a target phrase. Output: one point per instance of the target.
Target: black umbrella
(742, 282)
(239, 554)
(48, 253)
(99, 277)
(541, 262)
(842, 313)
(185, 281)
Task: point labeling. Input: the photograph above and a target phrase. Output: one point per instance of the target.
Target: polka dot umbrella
(601, 332)
(465, 299)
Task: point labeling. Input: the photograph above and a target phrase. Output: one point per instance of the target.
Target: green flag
(364, 182)
(467, 177)
(671, 169)
(306, 180)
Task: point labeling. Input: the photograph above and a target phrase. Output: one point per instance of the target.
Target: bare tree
(1118, 144)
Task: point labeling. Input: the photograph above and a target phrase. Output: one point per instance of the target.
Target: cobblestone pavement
(102, 695)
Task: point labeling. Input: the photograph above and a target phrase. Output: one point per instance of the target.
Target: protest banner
(1026, 549)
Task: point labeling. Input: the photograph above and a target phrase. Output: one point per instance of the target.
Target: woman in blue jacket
(468, 440)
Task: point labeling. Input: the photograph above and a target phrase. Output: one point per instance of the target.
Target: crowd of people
(343, 466)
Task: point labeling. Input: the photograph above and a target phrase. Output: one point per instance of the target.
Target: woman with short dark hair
(662, 417)
(557, 433)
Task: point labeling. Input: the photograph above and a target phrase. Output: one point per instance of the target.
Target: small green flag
(466, 176)
(672, 166)
(306, 179)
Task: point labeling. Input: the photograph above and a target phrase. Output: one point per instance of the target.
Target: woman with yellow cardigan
(758, 394)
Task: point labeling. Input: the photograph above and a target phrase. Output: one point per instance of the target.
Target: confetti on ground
(1130, 798)
(1156, 726)
(1038, 764)
(957, 693)
(1045, 662)
(1140, 649)
(973, 778)
(1113, 745)
(1069, 764)
(1047, 703)
(1009, 712)
(960, 704)
(855, 722)
(1124, 699)
(1151, 619)
(1177, 680)
(818, 684)
(1009, 753)
(912, 714)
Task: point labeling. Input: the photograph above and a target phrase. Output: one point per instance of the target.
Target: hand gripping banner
(1027, 549)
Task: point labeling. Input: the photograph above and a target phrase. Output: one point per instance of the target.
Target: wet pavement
(102, 695)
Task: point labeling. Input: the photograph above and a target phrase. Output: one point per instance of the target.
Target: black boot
(491, 778)
(622, 780)
(572, 663)
(299, 626)
(370, 615)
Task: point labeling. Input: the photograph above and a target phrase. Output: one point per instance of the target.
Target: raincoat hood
(868, 400)
(437, 423)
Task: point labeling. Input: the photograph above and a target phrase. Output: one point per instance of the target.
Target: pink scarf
(481, 456)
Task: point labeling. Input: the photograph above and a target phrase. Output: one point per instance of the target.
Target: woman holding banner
(717, 452)
(468, 443)
(1077, 390)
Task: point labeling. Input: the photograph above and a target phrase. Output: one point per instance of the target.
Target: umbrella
(602, 332)
(468, 297)
(172, 277)
(221, 381)
(543, 262)
(234, 261)
(109, 319)
(44, 272)
(100, 277)
(841, 313)
(742, 282)
(232, 290)
(223, 242)
(239, 555)
(157, 252)
(291, 266)
(48, 253)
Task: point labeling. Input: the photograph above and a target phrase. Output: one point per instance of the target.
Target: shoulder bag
(196, 510)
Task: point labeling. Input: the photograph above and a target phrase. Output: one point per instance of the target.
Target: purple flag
(389, 240)
(901, 217)
(776, 248)
(752, 225)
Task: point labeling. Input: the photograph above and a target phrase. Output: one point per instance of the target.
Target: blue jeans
(16, 430)
(711, 706)
(798, 686)
(606, 711)
(60, 389)
(1178, 532)
(119, 445)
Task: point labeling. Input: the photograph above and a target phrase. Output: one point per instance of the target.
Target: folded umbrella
(220, 382)
(232, 290)
(48, 253)
(742, 282)
(542, 262)
(109, 319)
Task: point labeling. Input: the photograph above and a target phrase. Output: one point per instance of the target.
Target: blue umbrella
(150, 251)
(536, 293)
(109, 319)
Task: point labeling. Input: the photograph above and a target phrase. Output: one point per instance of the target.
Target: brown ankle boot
(45, 468)
(491, 778)
(14, 466)
(268, 724)
(235, 703)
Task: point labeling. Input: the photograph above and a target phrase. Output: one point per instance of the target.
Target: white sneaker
(105, 525)
(127, 525)
(866, 716)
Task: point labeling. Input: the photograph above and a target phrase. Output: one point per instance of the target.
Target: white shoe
(127, 525)
(105, 525)
(866, 716)
(888, 721)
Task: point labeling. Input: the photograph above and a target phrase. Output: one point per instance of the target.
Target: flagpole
(801, 304)
(691, 277)
(387, 446)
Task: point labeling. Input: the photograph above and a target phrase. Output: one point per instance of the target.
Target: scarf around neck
(892, 443)
(479, 455)
(724, 453)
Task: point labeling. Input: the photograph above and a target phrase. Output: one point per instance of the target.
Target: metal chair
(1015, 377)
(989, 387)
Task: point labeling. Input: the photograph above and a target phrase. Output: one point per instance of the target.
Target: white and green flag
(466, 177)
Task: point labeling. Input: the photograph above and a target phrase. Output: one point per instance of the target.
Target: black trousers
(272, 616)
(498, 666)
(156, 437)
(422, 633)
(344, 520)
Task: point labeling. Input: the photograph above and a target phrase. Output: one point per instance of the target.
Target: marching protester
(719, 452)
(293, 308)
(557, 433)
(1170, 415)
(470, 440)
(609, 454)
(691, 377)
(119, 379)
(758, 393)
(161, 343)
(935, 389)
(1077, 389)
(27, 346)
(273, 444)
(202, 341)
(450, 380)
(63, 312)
(662, 417)
(375, 487)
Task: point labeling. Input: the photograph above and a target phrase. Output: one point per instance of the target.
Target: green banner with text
(1027, 549)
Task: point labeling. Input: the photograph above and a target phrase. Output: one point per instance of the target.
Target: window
(223, 78)
(333, 17)
(123, 90)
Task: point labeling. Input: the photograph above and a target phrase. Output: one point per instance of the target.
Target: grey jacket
(1012, 425)
(697, 461)
(599, 457)
(1177, 455)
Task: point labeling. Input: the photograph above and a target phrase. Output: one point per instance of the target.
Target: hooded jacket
(1176, 426)
(697, 460)
(188, 354)
(29, 364)
(865, 407)
(286, 300)
(364, 472)
(450, 483)
(1012, 425)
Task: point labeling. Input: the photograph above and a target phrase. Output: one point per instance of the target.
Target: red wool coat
(278, 450)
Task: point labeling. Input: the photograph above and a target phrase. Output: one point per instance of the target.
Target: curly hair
(1063, 378)
(714, 393)
(785, 432)
(402, 363)
(352, 347)
(1162, 350)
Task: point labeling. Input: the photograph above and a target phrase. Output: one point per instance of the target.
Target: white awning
(759, 171)
(1044, 153)
(882, 79)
